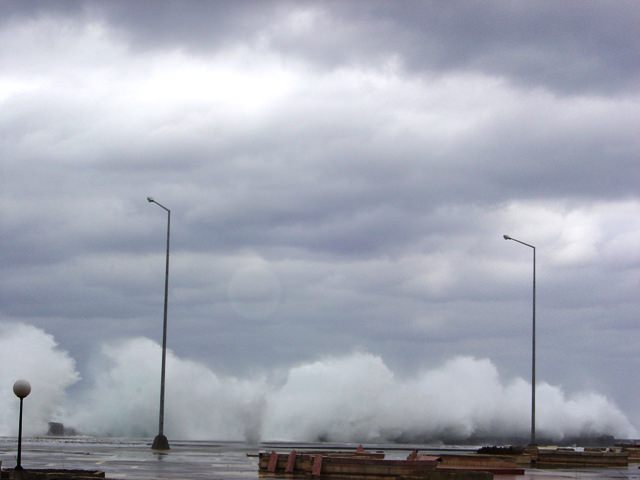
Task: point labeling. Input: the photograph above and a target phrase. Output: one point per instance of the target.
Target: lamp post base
(160, 443)
(19, 474)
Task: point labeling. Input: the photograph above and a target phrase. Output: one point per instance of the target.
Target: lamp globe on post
(22, 389)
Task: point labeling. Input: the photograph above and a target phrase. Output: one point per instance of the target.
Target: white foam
(355, 397)
(28, 352)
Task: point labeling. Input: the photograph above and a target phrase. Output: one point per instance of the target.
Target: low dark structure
(589, 458)
(50, 474)
(363, 465)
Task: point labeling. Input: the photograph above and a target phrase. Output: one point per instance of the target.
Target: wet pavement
(134, 459)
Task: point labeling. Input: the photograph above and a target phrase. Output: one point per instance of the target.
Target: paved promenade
(133, 459)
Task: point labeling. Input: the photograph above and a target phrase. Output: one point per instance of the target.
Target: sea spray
(124, 395)
(335, 399)
(354, 397)
(30, 353)
(357, 398)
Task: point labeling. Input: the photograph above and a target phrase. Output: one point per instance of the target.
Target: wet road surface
(134, 459)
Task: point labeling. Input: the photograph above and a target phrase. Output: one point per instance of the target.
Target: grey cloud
(374, 193)
(569, 48)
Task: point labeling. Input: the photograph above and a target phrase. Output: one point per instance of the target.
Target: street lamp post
(533, 343)
(21, 388)
(160, 442)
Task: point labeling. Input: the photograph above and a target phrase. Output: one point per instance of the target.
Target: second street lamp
(533, 343)
(161, 442)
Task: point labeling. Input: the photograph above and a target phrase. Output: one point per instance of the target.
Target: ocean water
(130, 458)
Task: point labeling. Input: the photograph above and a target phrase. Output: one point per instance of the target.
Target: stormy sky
(340, 175)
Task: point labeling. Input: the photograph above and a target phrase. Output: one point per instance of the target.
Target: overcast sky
(340, 175)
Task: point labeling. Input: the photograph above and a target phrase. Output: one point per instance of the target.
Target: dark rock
(501, 450)
(56, 429)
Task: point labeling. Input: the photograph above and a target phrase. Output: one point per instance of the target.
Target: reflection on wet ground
(134, 459)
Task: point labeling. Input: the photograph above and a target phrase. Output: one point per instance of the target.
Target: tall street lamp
(161, 442)
(21, 388)
(533, 343)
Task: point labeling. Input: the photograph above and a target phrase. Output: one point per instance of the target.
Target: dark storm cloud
(569, 47)
(16, 10)
(195, 25)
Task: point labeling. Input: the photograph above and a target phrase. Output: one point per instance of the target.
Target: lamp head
(21, 388)
(507, 237)
(150, 200)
